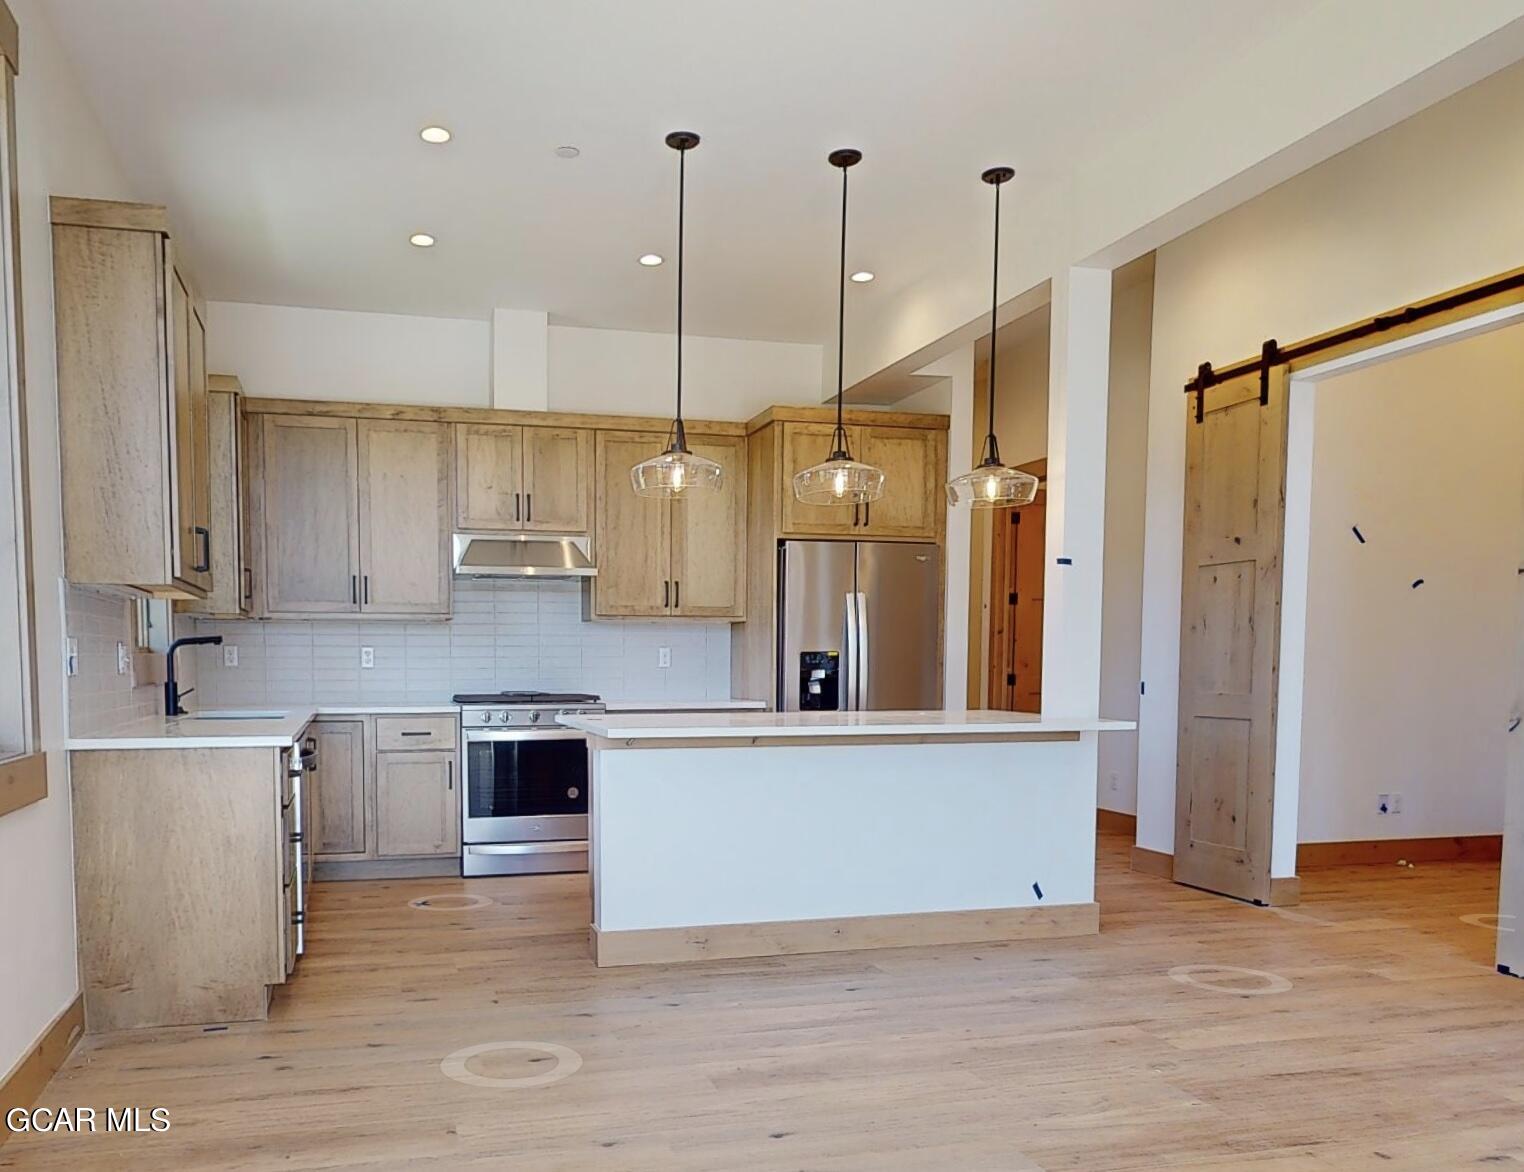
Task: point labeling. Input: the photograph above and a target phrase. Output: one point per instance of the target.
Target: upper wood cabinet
(914, 461)
(131, 352)
(354, 516)
(669, 558)
(232, 591)
(404, 517)
(523, 479)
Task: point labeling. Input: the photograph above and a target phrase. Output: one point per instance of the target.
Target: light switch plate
(123, 659)
(367, 657)
(664, 657)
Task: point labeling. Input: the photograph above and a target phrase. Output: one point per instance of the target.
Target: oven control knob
(504, 717)
(534, 717)
(485, 717)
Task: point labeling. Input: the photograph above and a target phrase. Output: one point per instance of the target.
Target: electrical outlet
(1384, 804)
(367, 657)
(123, 659)
(664, 657)
(71, 656)
(230, 655)
(1395, 801)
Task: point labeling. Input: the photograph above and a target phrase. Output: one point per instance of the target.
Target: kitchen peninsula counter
(762, 833)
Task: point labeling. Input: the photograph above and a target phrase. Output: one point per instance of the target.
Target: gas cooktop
(502, 698)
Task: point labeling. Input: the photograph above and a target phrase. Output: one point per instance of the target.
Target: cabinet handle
(248, 584)
(417, 734)
(677, 594)
(205, 534)
(516, 515)
(666, 594)
(529, 506)
(365, 590)
(449, 774)
(855, 510)
(868, 514)
(354, 590)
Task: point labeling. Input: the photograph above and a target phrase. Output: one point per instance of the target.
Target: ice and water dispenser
(819, 681)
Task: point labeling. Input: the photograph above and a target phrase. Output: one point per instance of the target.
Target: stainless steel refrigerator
(859, 626)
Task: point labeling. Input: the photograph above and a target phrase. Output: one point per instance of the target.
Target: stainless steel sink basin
(237, 714)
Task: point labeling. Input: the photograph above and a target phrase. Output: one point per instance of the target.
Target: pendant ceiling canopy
(993, 484)
(840, 479)
(677, 471)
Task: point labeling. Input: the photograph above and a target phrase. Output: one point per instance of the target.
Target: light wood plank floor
(1396, 1046)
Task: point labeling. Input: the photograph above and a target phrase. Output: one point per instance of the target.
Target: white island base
(763, 834)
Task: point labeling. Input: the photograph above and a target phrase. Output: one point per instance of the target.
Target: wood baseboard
(1476, 848)
(845, 934)
(30, 1075)
(1116, 822)
(1157, 863)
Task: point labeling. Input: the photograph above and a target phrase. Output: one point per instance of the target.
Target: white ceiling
(283, 136)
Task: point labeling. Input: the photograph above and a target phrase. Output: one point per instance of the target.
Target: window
(21, 761)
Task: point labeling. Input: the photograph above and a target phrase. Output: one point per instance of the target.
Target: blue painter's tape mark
(1417, 582)
(1360, 537)
(1037, 890)
(1066, 561)
(1514, 724)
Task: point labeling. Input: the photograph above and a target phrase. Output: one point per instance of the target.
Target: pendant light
(840, 479)
(993, 485)
(677, 470)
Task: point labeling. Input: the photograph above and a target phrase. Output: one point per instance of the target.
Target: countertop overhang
(700, 726)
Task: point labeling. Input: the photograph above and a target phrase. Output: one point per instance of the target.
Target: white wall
(1384, 223)
(61, 151)
(1021, 390)
(1132, 306)
(1411, 690)
(288, 352)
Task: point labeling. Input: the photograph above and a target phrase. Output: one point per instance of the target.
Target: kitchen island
(738, 834)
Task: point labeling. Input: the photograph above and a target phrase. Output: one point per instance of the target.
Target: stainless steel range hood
(521, 555)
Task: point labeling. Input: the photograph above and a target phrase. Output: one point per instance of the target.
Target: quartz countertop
(191, 732)
(824, 725)
(684, 705)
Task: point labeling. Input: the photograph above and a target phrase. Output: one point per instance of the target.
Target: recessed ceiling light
(650, 260)
(434, 134)
(567, 152)
(421, 240)
(862, 276)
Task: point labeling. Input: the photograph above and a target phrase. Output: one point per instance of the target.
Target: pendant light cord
(991, 449)
(680, 440)
(841, 323)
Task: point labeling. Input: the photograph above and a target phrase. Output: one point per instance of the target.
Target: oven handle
(524, 734)
(557, 847)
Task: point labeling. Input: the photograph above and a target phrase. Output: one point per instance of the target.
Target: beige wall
(60, 150)
(1428, 205)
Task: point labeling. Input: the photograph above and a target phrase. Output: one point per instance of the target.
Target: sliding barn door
(1229, 637)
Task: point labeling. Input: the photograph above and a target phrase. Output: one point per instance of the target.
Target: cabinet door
(201, 476)
(489, 477)
(709, 538)
(417, 804)
(805, 444)
(229, 594)
(912, 460)
(188, 544)
(632, 532)
(557, 479)
(339, 789)
(404, 517)
(311, 533)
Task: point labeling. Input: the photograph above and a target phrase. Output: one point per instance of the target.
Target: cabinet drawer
(415, 732)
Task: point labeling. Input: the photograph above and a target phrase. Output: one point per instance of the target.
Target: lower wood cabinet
(417, 804)
(340, 788)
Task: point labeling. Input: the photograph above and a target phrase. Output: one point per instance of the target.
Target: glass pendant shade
(674, 473)
(992, 486)
(840, 480)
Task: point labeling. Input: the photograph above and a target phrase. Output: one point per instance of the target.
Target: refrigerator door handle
(861, 674)
(849, 653)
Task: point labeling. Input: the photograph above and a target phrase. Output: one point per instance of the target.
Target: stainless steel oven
(524, 800)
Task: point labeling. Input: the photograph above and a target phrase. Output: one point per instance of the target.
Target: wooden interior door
(558, 475)
(1018, 540)
(708, 550)
(404, 517)
(488, 477)
(1229, 637)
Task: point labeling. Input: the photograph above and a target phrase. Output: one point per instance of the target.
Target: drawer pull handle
(418, 734)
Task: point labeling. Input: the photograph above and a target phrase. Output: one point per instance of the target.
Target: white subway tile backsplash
(504, 635)
(99, 697)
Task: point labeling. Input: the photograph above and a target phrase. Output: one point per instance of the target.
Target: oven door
(524, 785)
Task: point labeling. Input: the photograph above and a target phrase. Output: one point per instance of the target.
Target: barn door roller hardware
(1271, 355)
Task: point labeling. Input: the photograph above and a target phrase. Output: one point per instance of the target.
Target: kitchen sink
(236, 714)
